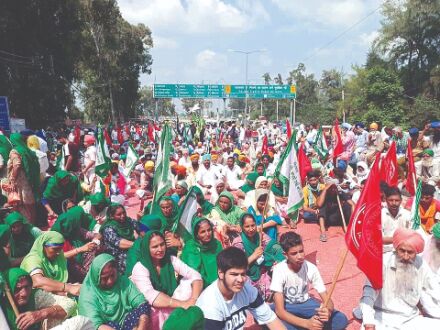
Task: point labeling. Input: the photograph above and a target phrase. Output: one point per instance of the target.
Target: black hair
(246, 215)
(384, 187)
(289, 240)
(197, 226)
(428, 189)
(231, 257)
(259, 165)
(313, 174)
(392, 191)
(231, 157)
(262, 198)
(112, 209)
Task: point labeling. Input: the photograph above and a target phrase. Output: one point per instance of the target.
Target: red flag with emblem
(264, 148)
(411, 176)
(364, 232)
(338, 148)
(304, 164)
(388, 167)
(288, 129)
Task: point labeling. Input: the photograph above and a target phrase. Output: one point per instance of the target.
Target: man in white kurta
(233, 174)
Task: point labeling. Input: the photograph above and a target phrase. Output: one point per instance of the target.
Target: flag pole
(336, 276)
(264, 214)
(344, 223)
(11, 300)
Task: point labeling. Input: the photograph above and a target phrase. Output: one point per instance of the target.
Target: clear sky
(192, 37)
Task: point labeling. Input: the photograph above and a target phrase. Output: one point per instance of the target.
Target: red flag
(138, 130)
(304, 163)
(77, 135)
(151, 133)
(264, 148)
(388, 167)
(120, 136)
(288, 129)
(338, 148)
(411, 176)
(127, 130)
(107, 138)
(364, 232)
(220, 139)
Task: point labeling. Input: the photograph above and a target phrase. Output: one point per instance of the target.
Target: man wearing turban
(428, 169)
(207, 174)
(406, 277)
(374, 143)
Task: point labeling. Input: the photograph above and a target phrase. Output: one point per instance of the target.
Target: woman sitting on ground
(81, 242)
(200, 253)
(262, 253)
(180, 192)
(118, 234)
(5, 236)
(23, 236)
(155, 276)
(112, 301)
(206, 206)
(47, 265)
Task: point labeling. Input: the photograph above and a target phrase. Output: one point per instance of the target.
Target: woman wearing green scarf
(61, 186)
(34, 306)
(118, 234)
(77, 228)
(5, 236)
(24, 176)
(249, 185)
(110, 300)
(47, 264)
(200, 253)
(23, 235)
(226, 217)
(5, 149)
(154, 274)
(261, 257)
(205, 205)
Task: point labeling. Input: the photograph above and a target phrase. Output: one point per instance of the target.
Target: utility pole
(112, 106)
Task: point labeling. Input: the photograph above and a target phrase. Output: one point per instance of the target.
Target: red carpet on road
(326, 256)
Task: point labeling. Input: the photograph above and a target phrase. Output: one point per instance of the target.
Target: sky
(193, 39)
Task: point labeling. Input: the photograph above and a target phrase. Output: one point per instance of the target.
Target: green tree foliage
(146, 104)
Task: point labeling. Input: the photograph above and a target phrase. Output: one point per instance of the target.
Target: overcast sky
(192, 37)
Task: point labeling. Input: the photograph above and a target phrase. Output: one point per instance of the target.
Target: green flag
(415, 214)
(162, 180)
(102, 165)
(130, 161)
(320, 145)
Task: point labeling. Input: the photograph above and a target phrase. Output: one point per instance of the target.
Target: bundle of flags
(320, 145)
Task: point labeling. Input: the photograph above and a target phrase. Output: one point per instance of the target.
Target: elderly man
(207, 175)
(374, 143)
(405, 277)
(428, 169)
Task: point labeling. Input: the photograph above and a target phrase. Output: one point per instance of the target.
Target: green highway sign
(224, 91)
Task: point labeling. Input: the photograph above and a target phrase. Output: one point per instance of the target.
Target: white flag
(189, 209)
(130, 161)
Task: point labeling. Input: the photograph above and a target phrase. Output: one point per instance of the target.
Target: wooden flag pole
(11, 300)
(264, 214)
(336, 276)
(344, 223)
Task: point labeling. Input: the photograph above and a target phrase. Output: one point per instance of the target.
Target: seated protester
(225, 302)
(249, 184)
(265, 214)
(154, 274)
(226, 217)
(362, 171)
(206, 206)
(96, 205)
(393, 216)
(428, 208)
(290, 282)
(428, 169)
(281, 197)
(268, 165)
(261, 183)
(81, 242)
(180, 192)
(60, 187)
(329, 212)
(398, 305)
(5, 236)
(118, 234)
(219, 187)
(431, 256)
(185, 319)
(201, 251)
(261, 257)
(146, 223)
(47, 265)
(260, 169)
(110, 300)
(311, 192)
(35, 306)
(23, 235)
(233, 175)
(207, 175)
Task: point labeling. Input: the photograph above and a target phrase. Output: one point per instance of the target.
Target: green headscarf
(272, 252)
(56, 269)
(54, 190)
(251, 177)
(69, 224)
(185, 319)
(30, 163)
(277, 191)
(5, 148)
(436, 230)
(5, 236)
(12, 276)
(168, 222)
(124, 230)
(204, 204)
(21, 244)
(146, 223)
(202, 257)
(99, 199)
(166, 281)
(233, 214)
(104, 305)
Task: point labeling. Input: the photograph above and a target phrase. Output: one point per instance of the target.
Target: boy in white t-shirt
(225, 302)
(290, 280)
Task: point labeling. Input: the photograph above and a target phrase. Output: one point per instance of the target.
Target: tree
(267, 78)
(278, 79)
(146, 104)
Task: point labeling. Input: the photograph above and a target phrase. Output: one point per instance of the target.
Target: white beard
(434, 257)
(406, 282)
(427, 162)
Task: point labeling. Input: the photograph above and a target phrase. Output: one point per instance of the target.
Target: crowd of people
(72, 258)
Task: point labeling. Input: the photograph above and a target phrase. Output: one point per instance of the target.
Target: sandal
(323, 238)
